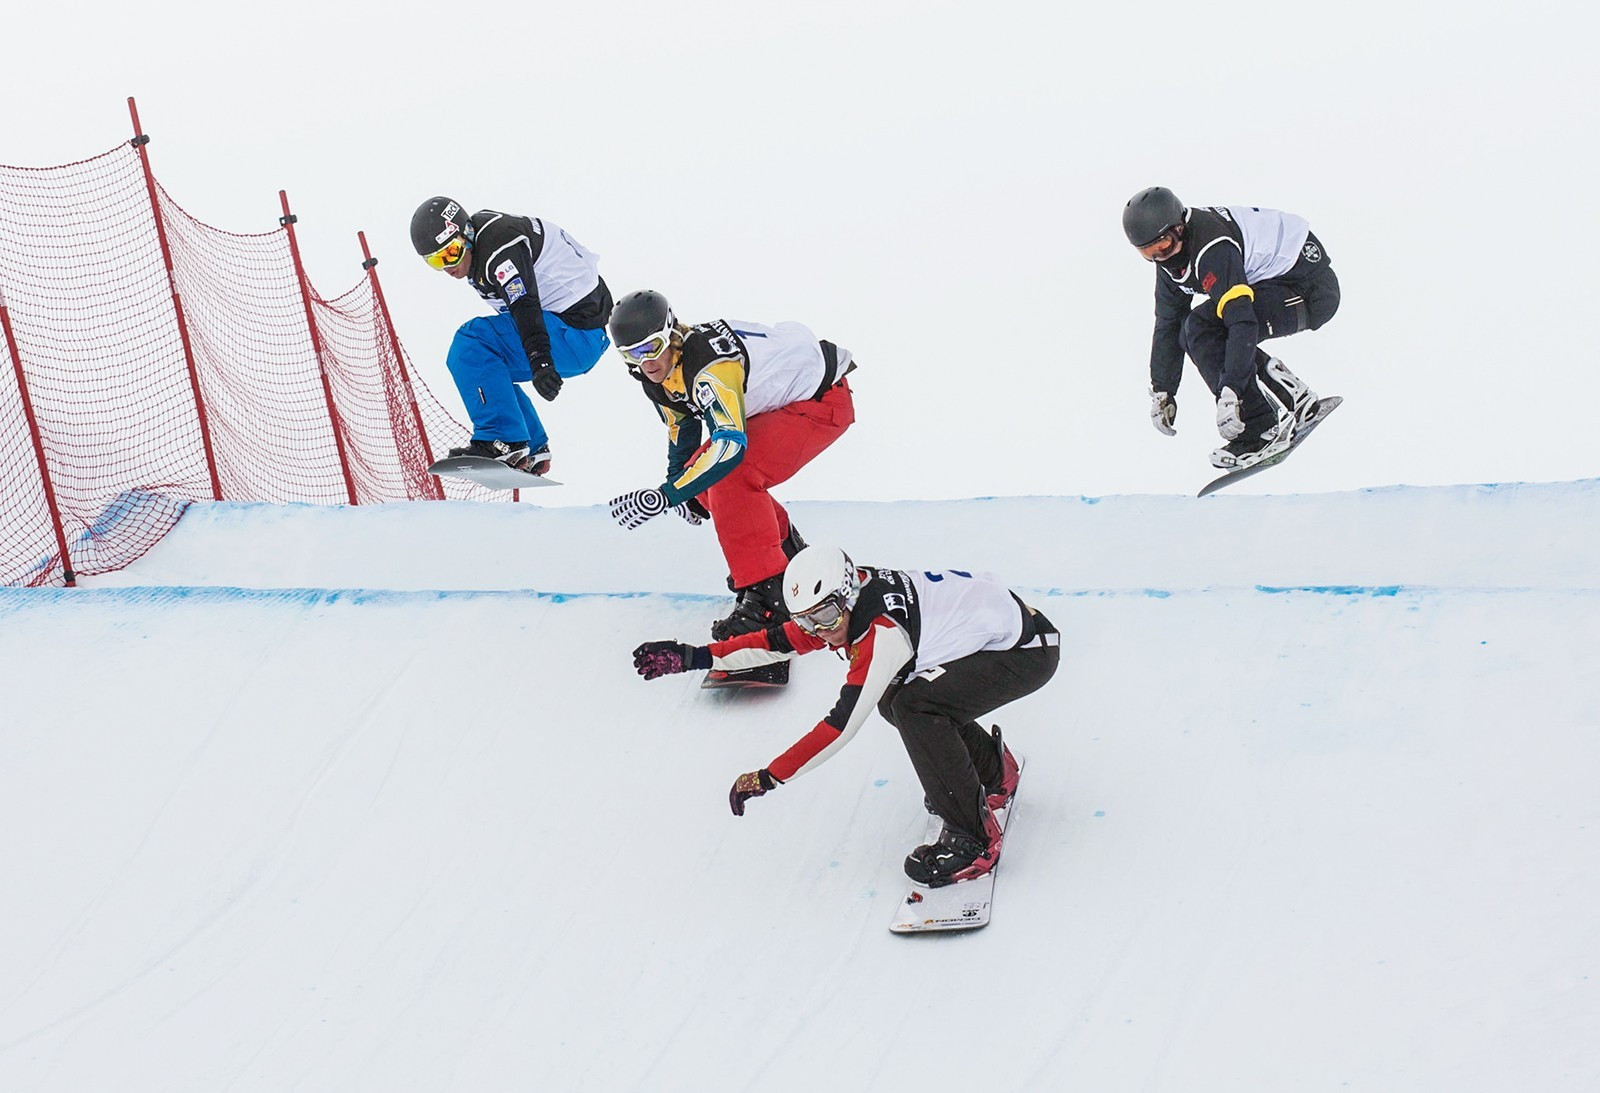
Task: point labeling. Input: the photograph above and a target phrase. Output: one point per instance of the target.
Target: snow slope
(331, 799)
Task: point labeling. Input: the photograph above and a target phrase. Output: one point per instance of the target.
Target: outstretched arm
(875, 661)
(655, 659)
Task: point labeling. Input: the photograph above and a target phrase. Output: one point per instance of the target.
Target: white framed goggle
(650, 347)
(824, 617)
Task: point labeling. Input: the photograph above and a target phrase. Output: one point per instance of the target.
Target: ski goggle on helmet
(823, 618)
(650, 347)
(820, 586)
(448, 256)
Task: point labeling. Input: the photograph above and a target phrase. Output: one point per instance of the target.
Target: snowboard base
(765, 675)
(1325, 407)
(489, 473)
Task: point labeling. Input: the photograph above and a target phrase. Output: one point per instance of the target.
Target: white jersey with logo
(1271, 240)
(961, 614)
(564, 269)
(785, 364)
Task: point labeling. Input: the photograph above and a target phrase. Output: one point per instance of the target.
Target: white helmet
(815, 574)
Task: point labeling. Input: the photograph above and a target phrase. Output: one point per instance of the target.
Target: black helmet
(639, 315)
(1151, 212)
(437, 221)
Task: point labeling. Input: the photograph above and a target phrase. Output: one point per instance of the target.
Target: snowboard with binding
(963, 905)
(763, 675)
(1325, 407)
(490, 473)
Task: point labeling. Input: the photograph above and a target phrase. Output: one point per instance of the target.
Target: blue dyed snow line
(14, 600)
(1336, 589)
(1168, 593)
(1376, 590)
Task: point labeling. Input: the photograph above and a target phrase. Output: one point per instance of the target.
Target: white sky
(939, 190)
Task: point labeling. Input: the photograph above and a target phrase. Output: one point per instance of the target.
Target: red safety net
(125, 394)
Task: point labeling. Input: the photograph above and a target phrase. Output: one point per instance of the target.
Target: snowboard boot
(759, 606)
(1256, 443)
(999, 797)
(957, 855)
(1287, 390)
(792, 543)
(513, 453)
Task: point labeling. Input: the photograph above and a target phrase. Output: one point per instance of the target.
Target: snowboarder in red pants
(746, 405)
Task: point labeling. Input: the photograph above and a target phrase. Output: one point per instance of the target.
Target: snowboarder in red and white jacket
(931, 651)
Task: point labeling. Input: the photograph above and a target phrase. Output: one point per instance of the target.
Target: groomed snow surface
(331, 799)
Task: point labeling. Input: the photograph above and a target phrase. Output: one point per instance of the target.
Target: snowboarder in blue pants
(552, 306)
(487, 362)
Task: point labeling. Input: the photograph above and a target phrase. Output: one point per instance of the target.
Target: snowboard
(764, 675)
(1325, 407)
(960, 906)
(487, 472)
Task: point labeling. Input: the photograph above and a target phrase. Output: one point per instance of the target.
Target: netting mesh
(147, 392)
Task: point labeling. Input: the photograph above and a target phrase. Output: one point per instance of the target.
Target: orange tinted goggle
(449, 255)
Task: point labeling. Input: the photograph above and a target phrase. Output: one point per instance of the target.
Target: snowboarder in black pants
(1264, 275)
(931, 652)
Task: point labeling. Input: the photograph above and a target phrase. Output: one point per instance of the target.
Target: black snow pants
(934, 710)
(1302, 299)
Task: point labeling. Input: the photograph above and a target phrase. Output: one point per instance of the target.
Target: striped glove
(632, 509)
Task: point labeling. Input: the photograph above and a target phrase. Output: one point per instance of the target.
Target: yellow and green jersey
(730, 371)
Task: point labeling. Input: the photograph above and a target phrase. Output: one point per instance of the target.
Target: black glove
(546, 380)
(655, 659)
(693, 512)
(746, 786)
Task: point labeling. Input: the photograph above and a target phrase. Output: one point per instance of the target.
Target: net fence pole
(38, 443)
(288, 221)
(370, 264)
(141, 141)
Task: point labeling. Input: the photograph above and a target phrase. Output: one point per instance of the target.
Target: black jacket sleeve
(508, 256)
(1166, 355)
(1221, 272)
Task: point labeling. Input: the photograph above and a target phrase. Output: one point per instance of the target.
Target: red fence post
(370, 264)
(288, 220)
(38, 444)
(140, 141)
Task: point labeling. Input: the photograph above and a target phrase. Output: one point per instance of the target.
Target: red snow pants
(749, 523)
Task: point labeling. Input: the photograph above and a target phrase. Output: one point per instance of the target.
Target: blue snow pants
(487, 362)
